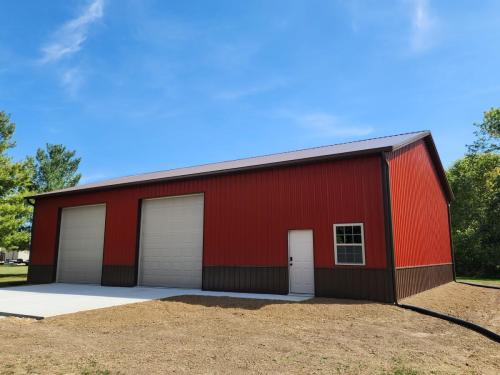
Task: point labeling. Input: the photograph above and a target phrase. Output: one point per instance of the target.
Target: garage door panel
(180, 237)
(81, 242)
(175, 265)
(184, 250)
(172, 242)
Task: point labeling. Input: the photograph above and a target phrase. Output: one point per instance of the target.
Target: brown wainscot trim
(250, 279)
(413, 280)
(354, 283)
(40, 274)
(118, 275)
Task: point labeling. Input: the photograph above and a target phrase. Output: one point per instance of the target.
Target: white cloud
(326, 125)
(71, 36)
(423, 26)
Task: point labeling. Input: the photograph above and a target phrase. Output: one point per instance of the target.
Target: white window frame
(353, 244)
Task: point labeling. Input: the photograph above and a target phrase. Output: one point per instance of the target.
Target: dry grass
(473, 303)
(221, 335)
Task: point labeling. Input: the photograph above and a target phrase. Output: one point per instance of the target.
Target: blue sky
(137, 86)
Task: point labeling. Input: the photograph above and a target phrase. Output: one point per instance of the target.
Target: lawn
(494, 282)
(195, 334)
(12, 275)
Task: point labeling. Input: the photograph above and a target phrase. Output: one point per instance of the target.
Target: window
(349, 244)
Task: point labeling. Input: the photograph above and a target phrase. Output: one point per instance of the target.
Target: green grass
(12, 275)
(479, 280)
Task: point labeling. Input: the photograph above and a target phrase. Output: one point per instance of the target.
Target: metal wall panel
(246, 279)
(413, 280)
(41, 274)
(419, 209)
(118, 275)
(354, 283)
(247, 214)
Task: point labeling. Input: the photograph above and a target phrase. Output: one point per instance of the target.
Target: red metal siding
(419, 209)
(247, 214)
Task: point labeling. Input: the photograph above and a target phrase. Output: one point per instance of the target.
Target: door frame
(288, 258)
(58, 238)
(139, 232)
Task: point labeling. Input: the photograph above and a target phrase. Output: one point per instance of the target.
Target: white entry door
(81, 239)
(301, 261)
(171, 249)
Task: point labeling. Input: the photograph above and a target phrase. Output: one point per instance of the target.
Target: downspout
(389, 229)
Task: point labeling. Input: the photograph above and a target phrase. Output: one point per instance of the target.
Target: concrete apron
(41, 301)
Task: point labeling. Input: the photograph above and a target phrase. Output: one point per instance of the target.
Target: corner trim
(138, 233)
(389, 228)
(56, 250)
(451, 245)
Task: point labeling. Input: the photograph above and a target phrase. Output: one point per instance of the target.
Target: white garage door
(172, 242)
(81, 242)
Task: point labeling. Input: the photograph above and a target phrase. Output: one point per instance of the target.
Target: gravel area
(472, 303)
(222, 335)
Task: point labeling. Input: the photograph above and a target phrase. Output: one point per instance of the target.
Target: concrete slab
(56, 299)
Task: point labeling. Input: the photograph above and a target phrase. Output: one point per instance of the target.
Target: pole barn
(361, 220)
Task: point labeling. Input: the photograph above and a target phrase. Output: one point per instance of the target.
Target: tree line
(51, 168)
(474, 179)
(475, 211)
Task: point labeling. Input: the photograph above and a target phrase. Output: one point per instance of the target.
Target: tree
(55, 168)
(487, 134)
(475, 213)
(15, 184)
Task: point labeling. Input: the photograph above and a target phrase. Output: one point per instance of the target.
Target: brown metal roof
(368, 146)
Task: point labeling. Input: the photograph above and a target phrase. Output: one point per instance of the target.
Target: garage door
(81, 242)
(172, 242)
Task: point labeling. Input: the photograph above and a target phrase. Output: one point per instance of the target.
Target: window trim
(337, 263)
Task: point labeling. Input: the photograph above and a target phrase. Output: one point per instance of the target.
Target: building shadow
(256, 304)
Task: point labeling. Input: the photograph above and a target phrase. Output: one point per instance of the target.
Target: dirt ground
(473, 303)
(220, 335)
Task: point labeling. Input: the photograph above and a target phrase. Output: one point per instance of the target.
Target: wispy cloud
(423, 26)
(325, 125)
(69, 38)
(250, 90)
(93, 177)
(232, 55)
(72, 80)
